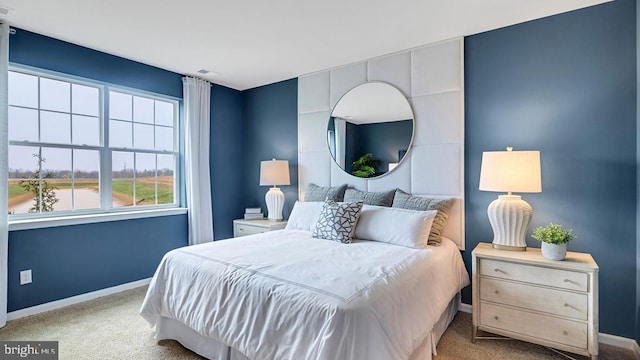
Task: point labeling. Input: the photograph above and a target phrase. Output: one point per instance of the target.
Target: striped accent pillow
(370, 198)
(443, 206)
(322, 193)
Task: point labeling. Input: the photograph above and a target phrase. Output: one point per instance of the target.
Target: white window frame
(106, 211)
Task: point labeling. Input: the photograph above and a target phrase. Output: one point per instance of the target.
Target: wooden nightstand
(524, 296)
(250, 227)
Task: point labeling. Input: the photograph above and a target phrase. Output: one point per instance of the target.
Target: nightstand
(249, 227)
(524, 296)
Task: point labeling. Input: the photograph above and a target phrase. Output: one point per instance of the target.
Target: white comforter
(286, 295)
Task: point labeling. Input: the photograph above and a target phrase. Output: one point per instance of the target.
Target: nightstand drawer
(243, 230)
(526, 296)
(566, 332)
(535, 274)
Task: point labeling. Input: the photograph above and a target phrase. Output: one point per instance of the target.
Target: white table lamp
(274, 172)
(510, 171)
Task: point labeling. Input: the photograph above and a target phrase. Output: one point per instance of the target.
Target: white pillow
(304, 215)
(396, 226)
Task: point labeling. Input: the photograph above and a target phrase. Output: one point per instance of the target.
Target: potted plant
(365, 166)
(554, 240)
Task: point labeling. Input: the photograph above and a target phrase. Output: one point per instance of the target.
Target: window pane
(164, 138)
(22, 167)
(66, 175)
(56, 180)
(166, 166)
(122, 179)
(119, 106)
(142, 110)
(145, 179)
(142, 136)
(86, 130)
(164, 113)
(120, 134)
(55, 95)
(23, 124)
(86, 100)
(23, 89)
(86, 179)
(55, 127)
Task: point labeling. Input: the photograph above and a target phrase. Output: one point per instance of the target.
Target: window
(70, 154)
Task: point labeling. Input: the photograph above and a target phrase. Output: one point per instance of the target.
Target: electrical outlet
(25, 277)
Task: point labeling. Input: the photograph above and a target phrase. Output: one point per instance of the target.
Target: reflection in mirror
(370, 130)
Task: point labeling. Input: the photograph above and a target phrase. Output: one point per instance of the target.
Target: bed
(287, 295)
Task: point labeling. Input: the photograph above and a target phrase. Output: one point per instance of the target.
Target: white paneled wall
(432, 78)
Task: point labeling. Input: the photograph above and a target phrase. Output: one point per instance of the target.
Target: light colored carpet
(110, 328)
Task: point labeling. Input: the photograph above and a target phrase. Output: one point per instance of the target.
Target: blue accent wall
(227, 159)
(72, 260)
(383, 140)
(41, 51)
(270, 121)
(637, 314)
(565, 85)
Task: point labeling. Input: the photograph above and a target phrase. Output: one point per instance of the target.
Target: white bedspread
(286, 295)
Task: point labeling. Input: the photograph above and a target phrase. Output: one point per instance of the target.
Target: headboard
(432, 78)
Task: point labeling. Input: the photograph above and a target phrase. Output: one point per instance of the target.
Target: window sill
(27, 224)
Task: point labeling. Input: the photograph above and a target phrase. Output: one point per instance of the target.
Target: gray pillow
(408, 201)
(370, 198)
(322, 193)
(337, 221)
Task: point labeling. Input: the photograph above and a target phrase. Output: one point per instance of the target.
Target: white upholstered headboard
(432, 78)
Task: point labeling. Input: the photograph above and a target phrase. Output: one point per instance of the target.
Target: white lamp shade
(511, 171)
(274, 172)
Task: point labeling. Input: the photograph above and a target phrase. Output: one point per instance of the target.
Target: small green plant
(365, 166)
(553, 234)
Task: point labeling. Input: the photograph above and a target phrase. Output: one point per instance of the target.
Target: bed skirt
(212, 349)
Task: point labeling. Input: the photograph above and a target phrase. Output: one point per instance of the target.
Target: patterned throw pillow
(322, 193)
(443, 206)
(370, 198)
(337, 221)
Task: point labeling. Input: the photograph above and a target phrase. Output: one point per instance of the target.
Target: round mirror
(370, 130)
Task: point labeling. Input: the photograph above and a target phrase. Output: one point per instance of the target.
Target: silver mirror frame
(413, 130)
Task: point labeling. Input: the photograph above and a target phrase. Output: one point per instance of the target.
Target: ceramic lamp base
(275, 202)
(509, 216)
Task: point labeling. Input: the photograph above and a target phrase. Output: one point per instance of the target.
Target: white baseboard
(465, 308)
(621, 342)
(613, 340)
(75, 299)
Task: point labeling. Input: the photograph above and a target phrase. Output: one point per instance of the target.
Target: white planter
(553, 251)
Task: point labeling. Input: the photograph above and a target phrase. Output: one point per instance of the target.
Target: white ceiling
(373, 102)
(250, 43)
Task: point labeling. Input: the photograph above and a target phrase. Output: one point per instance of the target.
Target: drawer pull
(496, 317)
(565, 332)
(571, 306)
(497, 292)
(499, 271)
